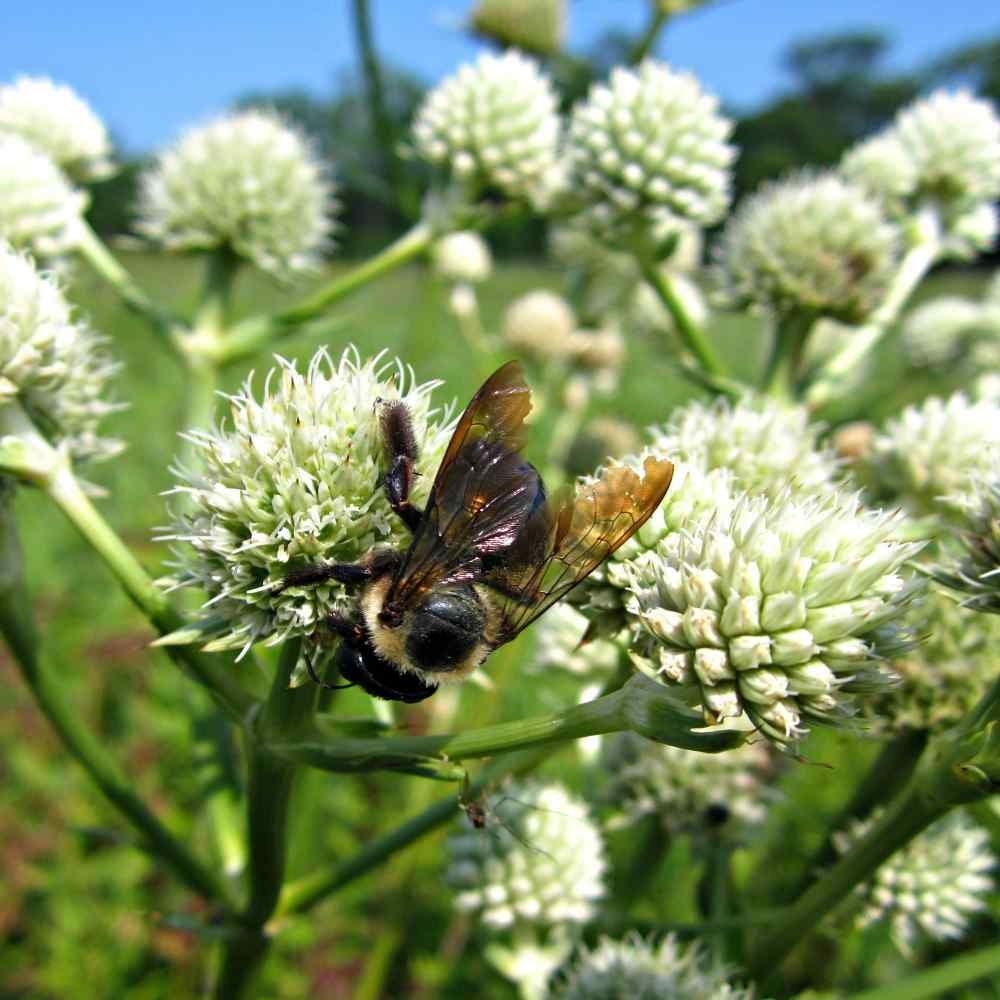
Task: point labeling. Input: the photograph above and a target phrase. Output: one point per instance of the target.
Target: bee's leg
(346, 573)
(401, 456)
(362, 665)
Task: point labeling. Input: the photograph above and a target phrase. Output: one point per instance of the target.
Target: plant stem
(17, 628)
(940, 979)
(781, 378)
(690, 333)
(257, 332)
(648, 39)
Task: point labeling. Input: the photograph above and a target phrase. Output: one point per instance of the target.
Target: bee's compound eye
(444, 629)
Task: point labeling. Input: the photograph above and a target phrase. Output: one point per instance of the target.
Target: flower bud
(532, 25)
(540, 323)
(462, 257)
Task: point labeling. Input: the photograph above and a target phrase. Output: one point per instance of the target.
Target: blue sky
(153, 68)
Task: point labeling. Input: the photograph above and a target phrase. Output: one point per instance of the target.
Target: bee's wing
(482, 494)
(589, 526)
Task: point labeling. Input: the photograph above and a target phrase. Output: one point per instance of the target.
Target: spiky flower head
(767, 445)
(977, 574)
(812, 243)
(56, 120)
(641, 970)
(539, 860)
(51, 363)
(540, 323)
(39, 211)
(781, 609)
(936, 332)
(647, 153)
(462, 256)
(953, 141)
(931, 888)
(246, 181)
(687, 791)
(931, 454)
(972, 233)
(559, 645)
(293, 478)
(883, 166)
(947, 671)
(533, 25)
(494, 124)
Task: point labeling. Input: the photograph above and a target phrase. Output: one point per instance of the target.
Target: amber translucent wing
(482, 494)
(588, 528)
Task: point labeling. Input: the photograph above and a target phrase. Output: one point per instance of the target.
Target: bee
(489, 553)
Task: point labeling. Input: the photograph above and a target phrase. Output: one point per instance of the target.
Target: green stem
(633, 879)
(690, 333)
(648, 39)
(258, 332)
(782, 376)
(17, 628)
(641, 705)
(942, 978)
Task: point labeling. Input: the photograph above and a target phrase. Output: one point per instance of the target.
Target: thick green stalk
(17, 627)
(940, 979)
(649, 37)
(691, 334)
(784, 367)
(258, 332)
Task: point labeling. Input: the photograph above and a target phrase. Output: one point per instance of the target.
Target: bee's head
(444, 629)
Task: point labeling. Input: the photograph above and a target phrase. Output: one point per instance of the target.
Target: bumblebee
(488, 555)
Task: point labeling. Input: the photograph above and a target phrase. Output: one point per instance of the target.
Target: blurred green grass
(81, 912)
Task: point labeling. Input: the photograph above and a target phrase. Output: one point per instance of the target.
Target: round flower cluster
(686, 790)
(51, 363)
(294, 480)
(648, 151)
(882, 166)
(540, 323)
(495, 124)
(539, 859)
(637, 968)
(930, 455)
(930, 888)
(244, 181)
(937, 332)
(812, 243)
(39, 211)
(978, 573)
(462, 257)
(781, 609)
(559, 645)
(57, 121)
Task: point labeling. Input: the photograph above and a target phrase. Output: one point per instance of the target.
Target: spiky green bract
(931, 454)
(781, 609)
(39, 211)
(246, 181)
(56, 120)
(639, 969)
(686, 791)
(931, 888)
(51, 362)
(559, 645)
(647, 153)
(293, 478)
(494, 124)
(539, 859)
(977, 574)
(812, 243)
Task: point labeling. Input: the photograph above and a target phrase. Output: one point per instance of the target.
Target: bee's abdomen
(445, 629)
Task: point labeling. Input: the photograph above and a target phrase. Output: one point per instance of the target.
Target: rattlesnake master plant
(494, 124)
(39, 211)
(462, 257)
(56, 120)
(541, 324)
(781, 609)
(942, 330)
(533, 25)
(560, 645)
(931, 454)
(51, 363)
(812, 243)
(539, 859)
(930, 889)
(639, 969)
(647, 152)
(292, 477)
(977, 574)
(245, 181)
(686, 791)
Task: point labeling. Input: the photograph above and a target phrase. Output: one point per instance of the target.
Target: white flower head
(812, 243)
(648, 154)
(883, 166)
(51, 363)
(637, 968)
(937, 332)
(540, 323)
(39, 211)
(56, 120)
(780, 608)
(495, 123)
(931, 454)
(931, 888)
(559, 645)
(539, 860)
(686, 790)
(463, 257)
(247, 181)
(293, 478)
